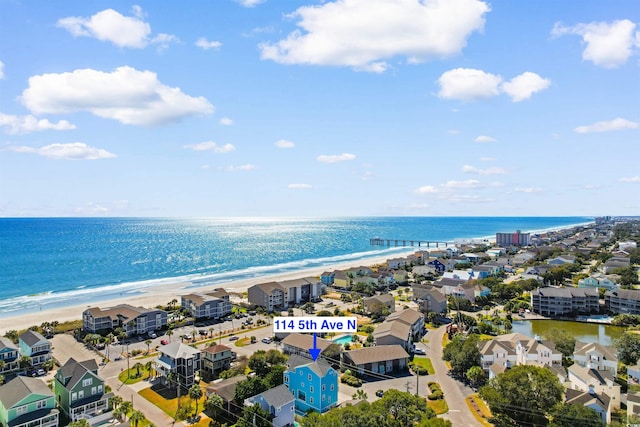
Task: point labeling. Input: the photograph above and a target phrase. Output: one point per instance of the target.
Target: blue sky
(319, 108)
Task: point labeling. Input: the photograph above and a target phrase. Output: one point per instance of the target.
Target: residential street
(459, 413)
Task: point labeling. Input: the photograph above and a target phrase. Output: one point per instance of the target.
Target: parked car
(164, 342)
(153, 335)
(419, 351)
(379, 393)
(233, 338)
(267, 340)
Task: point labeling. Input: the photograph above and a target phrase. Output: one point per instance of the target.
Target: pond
(585, 332)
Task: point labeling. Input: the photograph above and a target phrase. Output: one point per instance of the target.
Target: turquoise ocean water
(53, 262)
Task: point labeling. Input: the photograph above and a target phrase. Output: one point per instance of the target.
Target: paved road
(459, 413)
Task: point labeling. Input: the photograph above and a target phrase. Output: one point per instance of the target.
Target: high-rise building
(513, 239)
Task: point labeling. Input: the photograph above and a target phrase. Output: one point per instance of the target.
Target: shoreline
(163, 293)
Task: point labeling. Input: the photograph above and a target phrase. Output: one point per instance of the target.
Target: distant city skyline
(255, 108)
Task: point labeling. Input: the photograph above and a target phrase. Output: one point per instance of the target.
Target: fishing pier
(379, 241)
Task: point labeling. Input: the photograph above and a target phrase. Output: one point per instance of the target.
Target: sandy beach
(162, 294)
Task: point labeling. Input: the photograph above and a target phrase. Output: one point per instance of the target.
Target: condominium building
(561, 301)
(133, 320)
(210, 305)
(285, 294)
(622, 301)
(513, 239)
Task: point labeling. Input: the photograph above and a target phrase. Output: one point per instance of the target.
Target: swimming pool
(345, 339)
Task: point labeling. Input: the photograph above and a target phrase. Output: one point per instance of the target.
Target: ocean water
(52, 262)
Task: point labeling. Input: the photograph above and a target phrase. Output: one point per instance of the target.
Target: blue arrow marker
(315, 351)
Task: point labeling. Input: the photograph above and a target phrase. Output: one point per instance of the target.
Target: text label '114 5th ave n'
(315, 324)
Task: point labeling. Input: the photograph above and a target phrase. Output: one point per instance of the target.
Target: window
(80, 394)
(87, 382)
(311, 400)
(286, 379)
(74, 396)
(100, 388)
(310, 389)
(41, 404)
(94, 390)
(302, 385)
(302, 396)
(324, 397)
(324, 387)
(309, 377)
(21, 409)
(331, 388)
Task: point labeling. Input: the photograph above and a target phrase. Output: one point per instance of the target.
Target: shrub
(436, 395)
(351, 380)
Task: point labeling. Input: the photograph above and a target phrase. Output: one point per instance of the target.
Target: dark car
(379, 393)
(233, 338)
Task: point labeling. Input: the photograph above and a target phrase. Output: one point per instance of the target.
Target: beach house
(132, 320)
(80, 392)
(33, 345)
(377, 303)
(216, 359)
(411, 317)
(210, 305)
(280, 404)
(9, 355)
(27, 402)
(313, 384)
(179, 361)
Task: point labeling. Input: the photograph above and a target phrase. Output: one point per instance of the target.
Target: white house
(596, 356)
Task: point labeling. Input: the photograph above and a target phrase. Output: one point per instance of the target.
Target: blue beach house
(313, 384)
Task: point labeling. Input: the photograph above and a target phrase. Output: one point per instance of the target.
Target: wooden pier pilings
(379, 241)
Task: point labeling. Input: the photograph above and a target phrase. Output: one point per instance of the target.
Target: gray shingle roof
(177, 350)
(320, 367)
(31, 338)
(75, 371)
(20, 387)
(277, 397)
(379, 353)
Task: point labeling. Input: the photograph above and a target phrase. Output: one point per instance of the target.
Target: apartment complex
(285, 294)
(132, 320)
(622, 301)
(210, 305)
(561, 301)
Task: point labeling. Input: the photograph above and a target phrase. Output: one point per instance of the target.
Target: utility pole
(408, 384)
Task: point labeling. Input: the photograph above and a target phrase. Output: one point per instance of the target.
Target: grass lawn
(167, 400)
(425, 363)
(130, 376)
(439, 406)
(479, 409)
(243, 342)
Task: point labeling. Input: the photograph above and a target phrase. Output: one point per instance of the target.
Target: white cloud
(489, 171)
(529, 190)
(362, 36)
(630, 179)
(250, 3)
(607, 126)
(69, 151)
(608, 45)
(485, 138)
(27, 124)
(468, 84)
(164, 40)
(523, 86)
(204, 167)
(109, 25)
(469, 183)
(130, 96)
(334, 158)
(205, 44)
(299, 186)
(211, 146)
(226, 121)
(487, 159)
(283, 143)
(240, 168)
(427, 189)
(1, 70)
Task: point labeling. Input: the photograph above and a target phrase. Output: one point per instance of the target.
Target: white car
(266, 340)
(419, 351)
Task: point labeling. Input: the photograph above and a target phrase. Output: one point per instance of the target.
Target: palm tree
(115, 401)
(1, 379)
(211, 332)
(136, 417)
(169, 333)
(148, 343)
(137, 367)
(2, 365)
(359, 395)
(149, 367)
(213, 405)
(126, 407)
(195, 393)
(79, 423)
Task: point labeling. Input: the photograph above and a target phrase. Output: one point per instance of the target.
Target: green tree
(575, 415)
(137, 367)
(528, 387)
(565, 342)
(213, 405)
(79, 423)
(148, 343)
(462, 353)
(195, 393)
(115, 401)
(275, 376)
(403, 407)
(258, 363)
(136, 418)
(275, 357)
(628, 346)
(475, 374)
(247, 388)
(255, 416)
(359, 395)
